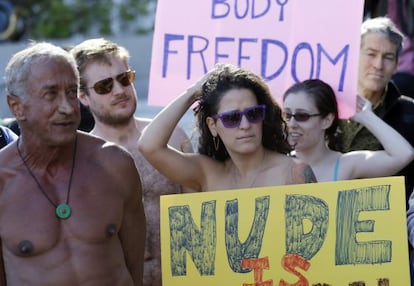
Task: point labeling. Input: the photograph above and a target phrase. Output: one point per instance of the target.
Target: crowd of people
(66, 218)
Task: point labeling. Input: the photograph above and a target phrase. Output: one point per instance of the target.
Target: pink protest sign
(282, 41)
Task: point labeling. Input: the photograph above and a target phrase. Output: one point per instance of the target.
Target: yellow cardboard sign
(335, 233)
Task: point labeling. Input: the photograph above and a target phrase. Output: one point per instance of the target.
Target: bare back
(99, 244)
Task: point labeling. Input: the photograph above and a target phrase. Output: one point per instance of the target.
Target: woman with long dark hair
(242, 136)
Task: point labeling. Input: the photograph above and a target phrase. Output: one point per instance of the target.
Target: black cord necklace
(63, 210)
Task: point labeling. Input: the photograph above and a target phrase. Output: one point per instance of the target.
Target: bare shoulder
(96, 149)
(9, 163)
(291, 169)
(301, 172)
(107, 161)
(8, 152)
(216, 174)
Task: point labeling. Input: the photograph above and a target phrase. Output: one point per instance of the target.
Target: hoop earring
(285, 136)
(216, 142)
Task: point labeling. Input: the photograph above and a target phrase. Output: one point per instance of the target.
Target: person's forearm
(392, 141)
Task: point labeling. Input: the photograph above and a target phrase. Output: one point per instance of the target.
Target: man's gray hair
(18, 68)
(386, 27)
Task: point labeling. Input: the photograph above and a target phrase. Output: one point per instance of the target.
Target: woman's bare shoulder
(216, 173)
(301, 172)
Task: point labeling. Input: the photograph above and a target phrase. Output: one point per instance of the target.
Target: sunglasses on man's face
(232, 119)
(105, 86)
(299, 116)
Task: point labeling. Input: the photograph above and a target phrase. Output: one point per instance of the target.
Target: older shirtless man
(107, 89)
(71, 209)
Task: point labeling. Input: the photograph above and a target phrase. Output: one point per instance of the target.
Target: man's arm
(133, 231)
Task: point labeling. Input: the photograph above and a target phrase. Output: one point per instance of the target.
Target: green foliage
(129, 9)
(65, 18)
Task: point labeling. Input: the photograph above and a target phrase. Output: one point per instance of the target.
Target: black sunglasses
(105, 86)
(232, 119)
(299, 116)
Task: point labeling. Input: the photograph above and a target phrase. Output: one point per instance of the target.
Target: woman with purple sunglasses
(242, 136)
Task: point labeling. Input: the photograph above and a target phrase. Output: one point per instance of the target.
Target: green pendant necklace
(63, 210)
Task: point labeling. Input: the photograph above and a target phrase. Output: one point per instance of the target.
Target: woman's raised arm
(397, 152)
(179, 167)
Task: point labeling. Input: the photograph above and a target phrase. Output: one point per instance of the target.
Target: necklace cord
(37, 181)
(250, 185)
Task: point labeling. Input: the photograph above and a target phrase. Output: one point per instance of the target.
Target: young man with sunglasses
(242, 140)
(66, 217)
(108, 91)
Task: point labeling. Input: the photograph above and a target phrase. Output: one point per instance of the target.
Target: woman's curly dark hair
(324, 98)
(219, 82)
